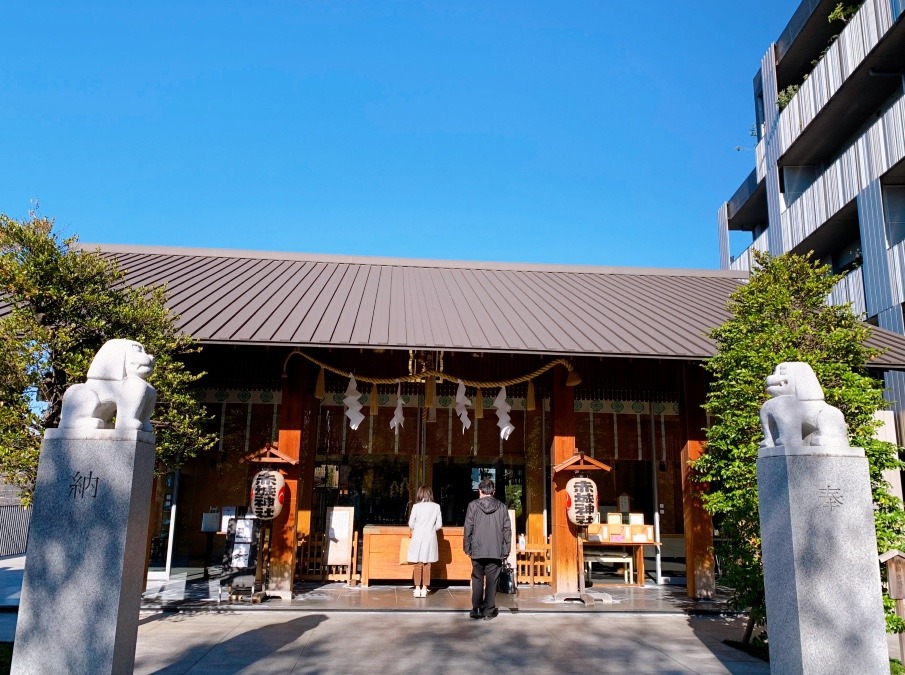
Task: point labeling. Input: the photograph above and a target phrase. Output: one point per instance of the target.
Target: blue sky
(585, 132)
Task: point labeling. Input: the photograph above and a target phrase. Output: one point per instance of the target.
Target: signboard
(339, 534)
(227, 513)
(240, 555)
(245, 529)
(210, 522)
(241, 544)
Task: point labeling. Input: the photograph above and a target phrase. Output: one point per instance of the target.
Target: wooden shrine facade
(272, 407)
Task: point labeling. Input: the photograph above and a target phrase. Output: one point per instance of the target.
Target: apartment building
(829, 175)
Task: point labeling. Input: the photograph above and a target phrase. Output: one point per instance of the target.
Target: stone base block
(81, 590)
(821, 573)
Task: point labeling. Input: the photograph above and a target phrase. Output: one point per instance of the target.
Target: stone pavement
(441, 642)
(335, 628)
(11, 570)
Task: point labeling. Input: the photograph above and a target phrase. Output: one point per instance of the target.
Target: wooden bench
(612, 558)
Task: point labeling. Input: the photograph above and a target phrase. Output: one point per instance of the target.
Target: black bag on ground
(506, 581)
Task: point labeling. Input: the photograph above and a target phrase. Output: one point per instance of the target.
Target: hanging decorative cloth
(461, 405)
(502, 413)
(398, 418)
(353, 406)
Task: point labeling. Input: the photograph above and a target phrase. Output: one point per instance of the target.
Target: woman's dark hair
(424, 494)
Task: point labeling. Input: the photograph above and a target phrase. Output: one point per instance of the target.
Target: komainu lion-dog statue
(796, 413)
(116, 385)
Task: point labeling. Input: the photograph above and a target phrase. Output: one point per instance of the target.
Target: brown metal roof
(253, 297)
(303, 300)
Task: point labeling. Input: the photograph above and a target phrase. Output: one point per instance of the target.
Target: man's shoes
(491, 614)
(475, 614)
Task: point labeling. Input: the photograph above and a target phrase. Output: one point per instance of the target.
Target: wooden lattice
(311, 561)
(533, 564)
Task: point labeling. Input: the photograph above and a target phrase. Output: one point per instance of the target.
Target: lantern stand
(579, 463)
(269, 458)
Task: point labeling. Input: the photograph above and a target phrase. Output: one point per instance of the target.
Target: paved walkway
(364, 642)
(333, 628)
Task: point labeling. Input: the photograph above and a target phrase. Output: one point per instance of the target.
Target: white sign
(240, 556)
(339, 534)
(227, 513)
(245, 528)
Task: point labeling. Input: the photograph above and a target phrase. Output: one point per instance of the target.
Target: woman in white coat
(424, 522)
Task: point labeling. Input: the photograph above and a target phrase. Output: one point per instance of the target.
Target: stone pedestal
(822, 577)
(84, 570)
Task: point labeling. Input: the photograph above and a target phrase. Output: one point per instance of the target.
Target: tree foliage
(62, 304)
(782, 315)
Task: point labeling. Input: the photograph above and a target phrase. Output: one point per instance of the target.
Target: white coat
(424, 523)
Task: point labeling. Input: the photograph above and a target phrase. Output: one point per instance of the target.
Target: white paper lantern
(268, 494)
(581, 500)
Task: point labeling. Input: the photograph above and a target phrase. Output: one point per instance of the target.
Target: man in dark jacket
(488, 536)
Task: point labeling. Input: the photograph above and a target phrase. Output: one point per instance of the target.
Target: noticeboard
(339, 534)
(210, 522)
(226, 514)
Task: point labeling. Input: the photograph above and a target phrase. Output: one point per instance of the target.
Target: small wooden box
(619, 533)
(642, 533)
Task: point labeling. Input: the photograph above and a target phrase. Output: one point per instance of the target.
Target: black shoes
(475, 614)
(491, 614)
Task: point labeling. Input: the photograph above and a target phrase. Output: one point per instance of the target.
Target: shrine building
(600, 366)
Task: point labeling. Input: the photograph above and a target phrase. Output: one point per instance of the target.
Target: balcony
(744, 261)
(747, 208)
(849, 289)
(840, 94)
(878, 149)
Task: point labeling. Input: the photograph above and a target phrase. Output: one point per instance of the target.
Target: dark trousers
(484, 575)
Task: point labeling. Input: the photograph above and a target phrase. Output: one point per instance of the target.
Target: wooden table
(638, 547)
(380, 554)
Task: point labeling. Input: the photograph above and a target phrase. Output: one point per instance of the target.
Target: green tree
(781, 315)
(62, 304)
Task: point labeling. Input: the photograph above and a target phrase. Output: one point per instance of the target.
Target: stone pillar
(821, 574)
(84, 572)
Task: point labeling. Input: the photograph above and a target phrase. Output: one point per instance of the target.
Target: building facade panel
(847, 123)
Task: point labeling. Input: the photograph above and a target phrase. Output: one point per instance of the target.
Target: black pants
(484, 575)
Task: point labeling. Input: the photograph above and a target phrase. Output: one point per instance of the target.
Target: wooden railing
(311, 563)
(533, 564)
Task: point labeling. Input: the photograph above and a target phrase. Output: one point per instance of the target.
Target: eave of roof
(314, 300)
(241, 297)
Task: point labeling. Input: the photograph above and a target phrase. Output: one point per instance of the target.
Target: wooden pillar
(564, 538)
(310, 411)
(285, 532)
(698, 525)
(535, 477)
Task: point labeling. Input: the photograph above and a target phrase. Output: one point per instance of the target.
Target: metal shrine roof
(253, 297)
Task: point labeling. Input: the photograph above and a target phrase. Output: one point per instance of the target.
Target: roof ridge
(408, 262)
